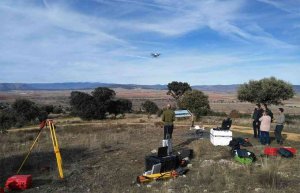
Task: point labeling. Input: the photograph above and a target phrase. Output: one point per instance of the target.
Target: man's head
(168, 106)
(258, 105)
(266, 106)
(281, 110)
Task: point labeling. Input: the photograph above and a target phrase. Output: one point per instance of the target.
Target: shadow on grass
(41, 165)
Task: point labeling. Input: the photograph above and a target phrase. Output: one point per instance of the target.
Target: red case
(19, 182)
(271, 151)
(291, 149)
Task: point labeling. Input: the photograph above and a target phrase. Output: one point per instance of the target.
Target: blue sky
(200, 41)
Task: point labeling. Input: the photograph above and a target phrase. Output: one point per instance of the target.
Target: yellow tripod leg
(56, 148)
(30, 150)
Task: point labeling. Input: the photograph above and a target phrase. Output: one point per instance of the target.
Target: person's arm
(173, 116)
(163, 117)
(260, 119)
(254, 114)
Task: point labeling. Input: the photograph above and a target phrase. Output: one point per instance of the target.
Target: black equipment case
(168, 163)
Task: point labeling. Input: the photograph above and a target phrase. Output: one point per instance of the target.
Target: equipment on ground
(185, 153)
(226, 124)
(168, 163)
(291, 149)
(220, 138)
(244, 156)
(162, 151)
(47, 123)
(19, 182)
(242, 160)
(285, 153)
(167, 143)
(273, 151)
(158, 176)
(199, 130)
(236, 142)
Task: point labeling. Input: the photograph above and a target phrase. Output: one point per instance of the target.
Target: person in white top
(265, 127)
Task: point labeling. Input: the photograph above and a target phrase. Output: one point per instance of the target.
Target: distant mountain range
(92, 85)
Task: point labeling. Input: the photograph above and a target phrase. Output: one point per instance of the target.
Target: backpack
(226, 124)
(234, 144)
(242, 153)
(244, 156)
(285, 153)
(242, 160)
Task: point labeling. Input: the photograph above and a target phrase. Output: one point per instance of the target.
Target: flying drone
(155, 55)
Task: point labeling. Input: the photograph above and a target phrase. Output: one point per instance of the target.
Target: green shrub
(266, 91)
(150, 107)
(195, 101)
(217, 114)
(120, 106)
(25, 110)
(97, 105)
(7, 119)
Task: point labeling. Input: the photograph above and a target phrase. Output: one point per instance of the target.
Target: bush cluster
(150, 107)
(195, 101)
(98, 104)
(24, 111)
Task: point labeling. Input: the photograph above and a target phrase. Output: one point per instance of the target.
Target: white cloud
(289, 6)
(113, 42)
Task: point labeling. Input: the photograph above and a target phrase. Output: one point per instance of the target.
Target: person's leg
(254, 129)
(280, 128)
(277, 133)
(170, 131)
(258, 129)
(267, 138)
(263, 137)
(165, 131)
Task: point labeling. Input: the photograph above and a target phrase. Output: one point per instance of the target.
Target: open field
(221, 102)
(108, 157)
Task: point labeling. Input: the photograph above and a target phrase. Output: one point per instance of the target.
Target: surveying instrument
(47, 123)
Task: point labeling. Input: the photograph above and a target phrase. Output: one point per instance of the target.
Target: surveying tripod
(47, 123)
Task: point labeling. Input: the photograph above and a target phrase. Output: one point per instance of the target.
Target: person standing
(168, 117)
(269, 112)
(279, 126)
(257, 113)
(265, 127)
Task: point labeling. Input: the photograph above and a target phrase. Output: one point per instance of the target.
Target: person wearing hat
(279, 126)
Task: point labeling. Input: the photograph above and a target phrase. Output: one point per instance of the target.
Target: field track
(236, 128)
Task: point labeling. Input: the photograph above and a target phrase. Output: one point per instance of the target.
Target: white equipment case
(220, 137)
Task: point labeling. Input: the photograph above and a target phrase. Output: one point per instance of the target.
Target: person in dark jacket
(257, 113)
(168, 117)
(269, 112)
(279, 126)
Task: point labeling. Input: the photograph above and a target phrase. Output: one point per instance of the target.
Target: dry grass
(108, 158)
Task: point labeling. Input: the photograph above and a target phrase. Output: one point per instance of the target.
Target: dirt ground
(108, 158)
